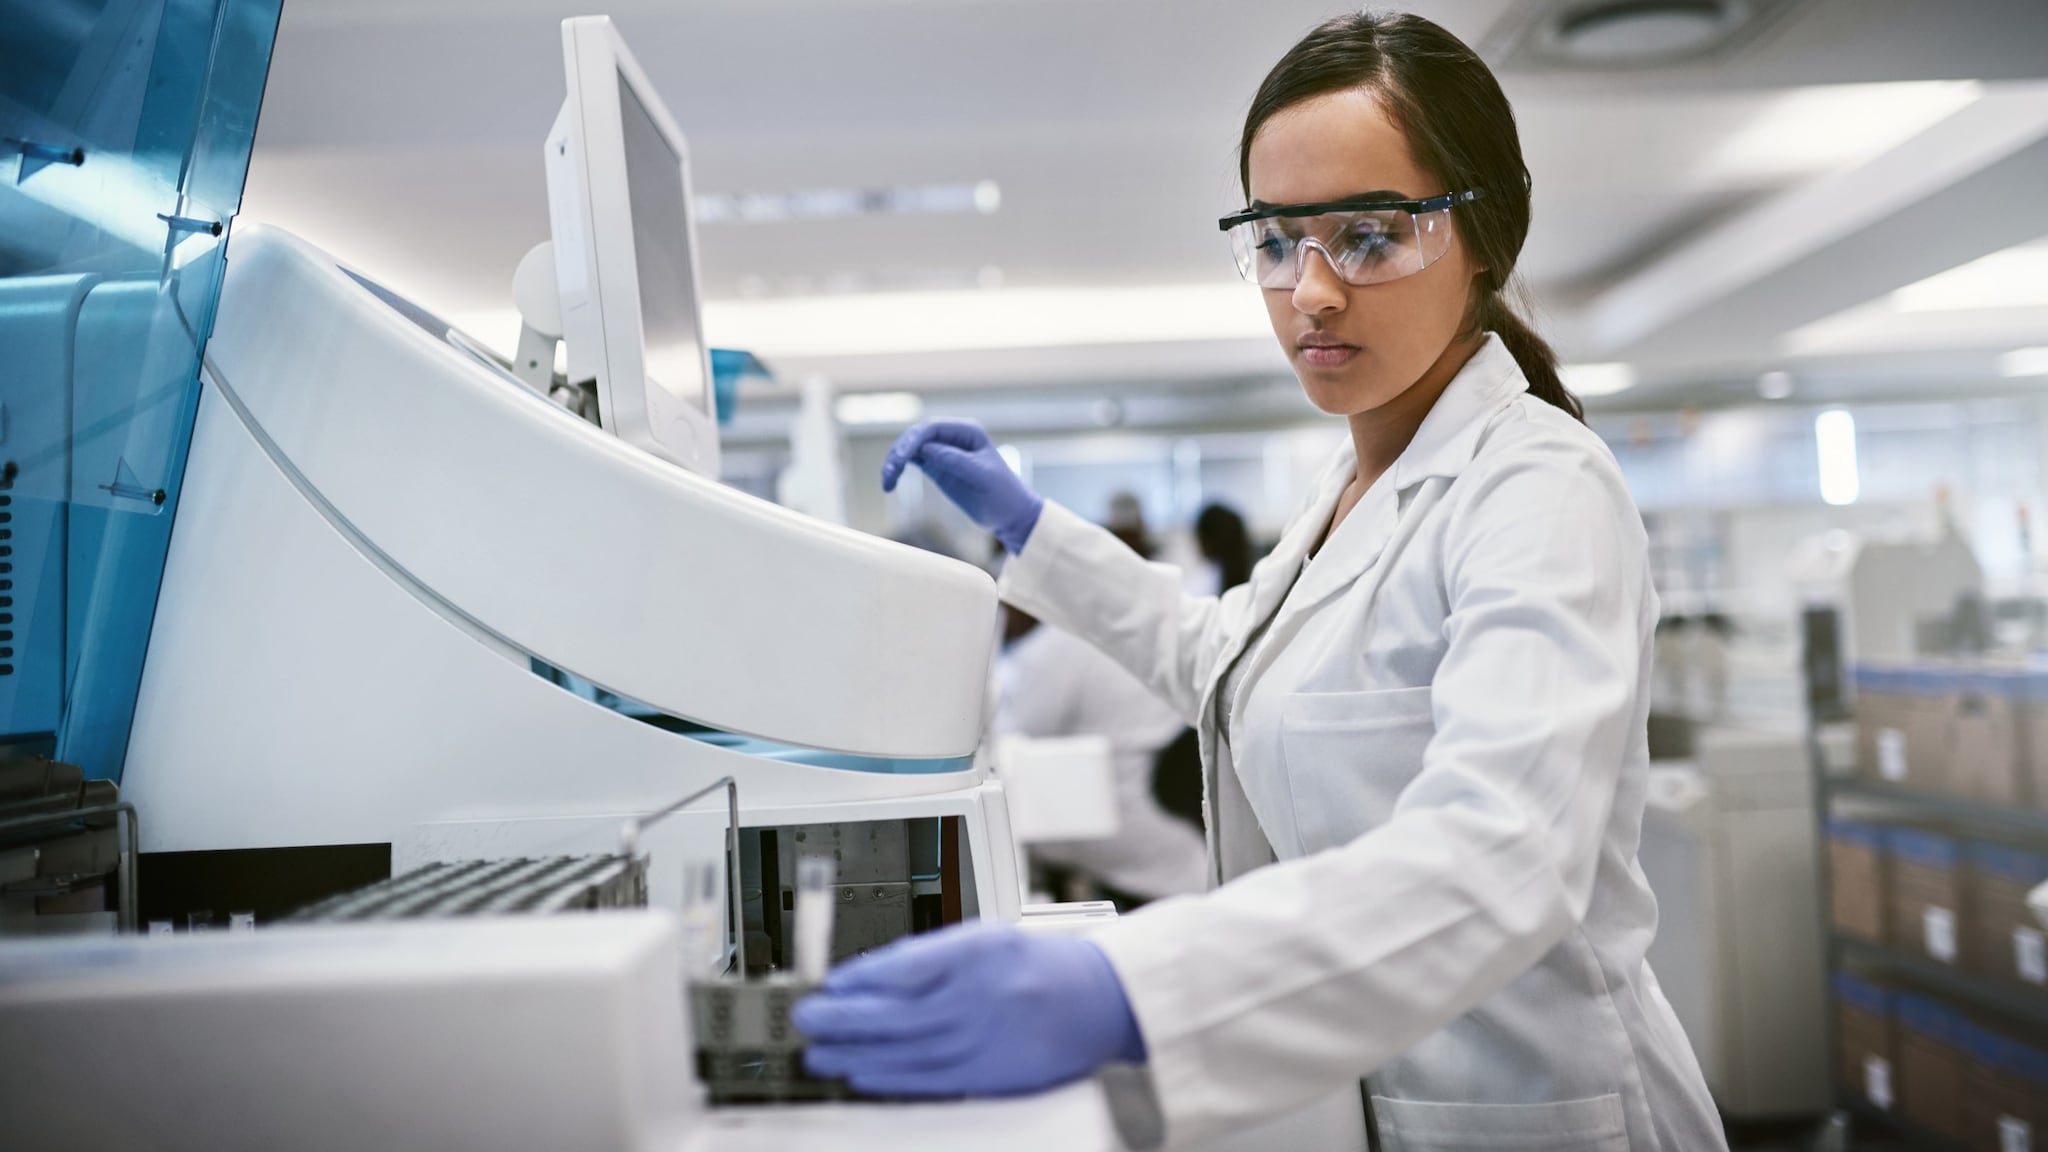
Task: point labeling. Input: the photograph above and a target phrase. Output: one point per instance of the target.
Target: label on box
(1940, 925)
(1891, 754)
(2030, 955)
(1877, 1081)
(2015, 1135)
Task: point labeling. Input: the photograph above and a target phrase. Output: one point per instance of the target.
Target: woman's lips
(1323, 354)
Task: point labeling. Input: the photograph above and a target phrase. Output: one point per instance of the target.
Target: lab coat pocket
(1349, 755)
(1595, 1124)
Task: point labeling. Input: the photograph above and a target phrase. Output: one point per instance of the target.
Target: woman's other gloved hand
(974, 1010)
(963, 462)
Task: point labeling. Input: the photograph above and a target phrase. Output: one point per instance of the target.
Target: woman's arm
(1070, 573)
(1076, 576)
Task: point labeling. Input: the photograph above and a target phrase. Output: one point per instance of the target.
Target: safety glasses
(1366, 239)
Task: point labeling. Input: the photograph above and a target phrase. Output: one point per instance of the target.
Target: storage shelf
(2025, 821)
(1867, 1116)
(1987, 996)
(1968, 989)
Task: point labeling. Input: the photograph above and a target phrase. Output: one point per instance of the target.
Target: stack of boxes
(1939, 890)
(1978, 732)
(1926, 878)
(2005, 937)
(1868, 1049)
(1974, 1085)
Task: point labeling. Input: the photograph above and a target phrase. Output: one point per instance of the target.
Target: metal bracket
(130, 913)
(629, 840)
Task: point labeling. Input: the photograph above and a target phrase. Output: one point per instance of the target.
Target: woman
(1428, 705)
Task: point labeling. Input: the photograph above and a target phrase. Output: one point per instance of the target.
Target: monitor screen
(674, 355)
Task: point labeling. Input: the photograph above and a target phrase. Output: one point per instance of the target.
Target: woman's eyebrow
(1376, 194)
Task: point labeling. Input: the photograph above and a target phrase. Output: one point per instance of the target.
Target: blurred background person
(1054, 684)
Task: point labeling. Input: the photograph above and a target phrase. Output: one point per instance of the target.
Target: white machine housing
(1728, 845)
(525, 1034)
(380, 536)
(625, 251)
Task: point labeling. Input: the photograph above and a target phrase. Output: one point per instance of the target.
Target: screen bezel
(597, 271)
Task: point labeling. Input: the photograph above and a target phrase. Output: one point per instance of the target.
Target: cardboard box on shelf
(1863, 1022)
(1930, 1064)
(1856, 878)
(1987, 743)
(2004, 1100)
(1905, 723)
(2006, 939)
(1926, 903)
(2033, 729)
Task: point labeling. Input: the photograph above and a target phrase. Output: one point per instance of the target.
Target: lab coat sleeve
(1293, 980)
(1077, 576)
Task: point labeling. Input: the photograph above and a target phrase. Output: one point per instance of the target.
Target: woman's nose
(1319, 289)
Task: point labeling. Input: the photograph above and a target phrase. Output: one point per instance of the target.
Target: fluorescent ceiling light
(1774, 385)
(1876, 327)
(1999, 299)
(878, 408)
(1834, 435)
(1835, 126)
(983, 197)
(967, 320)
(2024, 362)
(2013, 278)
(882, 323)
(1598, 379)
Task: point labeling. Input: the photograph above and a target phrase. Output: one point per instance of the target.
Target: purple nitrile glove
(963, 462)
(972, 1010)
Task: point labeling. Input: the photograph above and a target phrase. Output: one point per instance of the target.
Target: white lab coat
(1442, 740)
(1055, 684)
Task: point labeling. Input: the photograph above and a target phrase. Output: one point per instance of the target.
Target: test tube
(815, 876)
(703, 915)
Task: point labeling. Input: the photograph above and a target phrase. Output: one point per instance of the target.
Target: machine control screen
(674, 355)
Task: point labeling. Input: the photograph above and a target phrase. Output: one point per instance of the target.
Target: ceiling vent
(1618, 35)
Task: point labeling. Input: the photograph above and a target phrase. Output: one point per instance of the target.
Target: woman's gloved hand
(974, 1010)
(963, 462)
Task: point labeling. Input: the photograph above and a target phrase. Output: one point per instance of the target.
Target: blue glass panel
(748, 745)
(125, 130)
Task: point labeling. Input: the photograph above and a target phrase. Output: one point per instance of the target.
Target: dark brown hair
(1459, 125)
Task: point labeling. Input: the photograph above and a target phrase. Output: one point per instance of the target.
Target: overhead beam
(1967, 186)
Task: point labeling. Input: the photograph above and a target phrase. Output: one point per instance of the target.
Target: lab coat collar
(1444, 443)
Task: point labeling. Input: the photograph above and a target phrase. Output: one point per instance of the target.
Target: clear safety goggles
(1367, 239)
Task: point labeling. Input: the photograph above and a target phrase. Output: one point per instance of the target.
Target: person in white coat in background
(1056, 684)
(1422, 720)
(1053, 683)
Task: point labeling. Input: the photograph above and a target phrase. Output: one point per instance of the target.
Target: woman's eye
(1273, 245)
(1370, 237)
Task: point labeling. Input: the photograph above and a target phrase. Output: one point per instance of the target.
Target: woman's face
(1355, 348)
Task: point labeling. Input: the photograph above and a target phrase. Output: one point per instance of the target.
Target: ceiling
(1689, 219)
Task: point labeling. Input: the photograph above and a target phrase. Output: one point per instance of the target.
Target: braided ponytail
(1534, 354)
